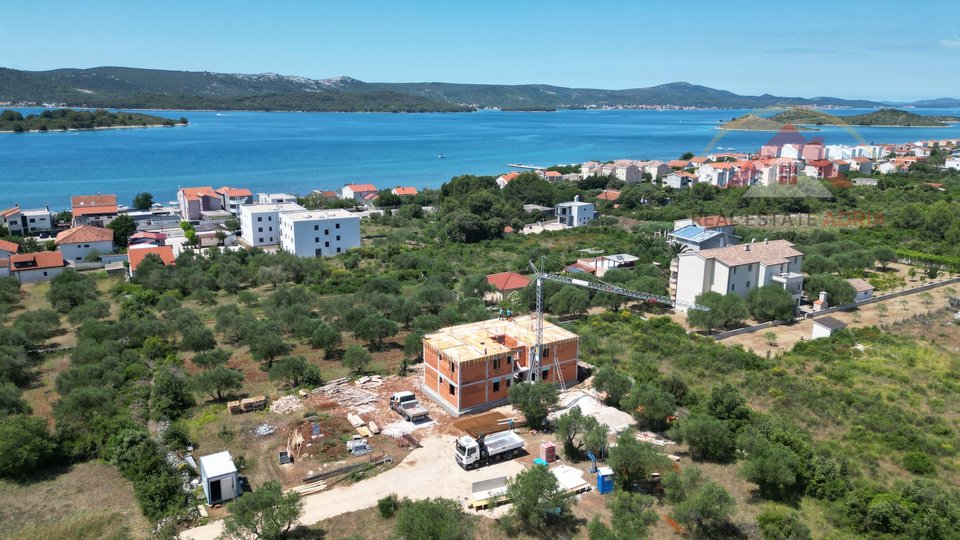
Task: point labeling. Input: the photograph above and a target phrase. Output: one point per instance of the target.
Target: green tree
(652, 405)
(432, 296)
(726, 403)
(780, 524)
(632, 514)
(632, 461)
(771, 303)
(538, 500)
(356, 359)
(375, 329)
(289, 369)
(568, 300)
(325, 337)
(839, 291)
(143, 201)
(25, 445)
(212, 358)
(433, 519)
(197, 338)
(725, 311)
(708, 438)
(615, 384)
(170, 394)
(575, 429)
(267, 346)
(475, 286)
(534, 400)
(265, 514)
(123, 227)
(10, 400)
(218, 382)
(774, 467)
(884, 255)
(71, 289)
(705, 511)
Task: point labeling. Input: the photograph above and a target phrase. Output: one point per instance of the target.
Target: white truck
(407, 406)
(474, 453)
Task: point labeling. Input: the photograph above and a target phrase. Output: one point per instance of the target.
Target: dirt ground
(92, 501)
(898, 309)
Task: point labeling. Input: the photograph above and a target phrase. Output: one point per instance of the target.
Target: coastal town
(324, 346)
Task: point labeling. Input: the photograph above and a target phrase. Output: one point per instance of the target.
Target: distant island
(69, 119)
(134, 88)
(752, 122)
(801, 116)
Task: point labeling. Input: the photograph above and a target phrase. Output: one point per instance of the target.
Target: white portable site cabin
(218, 475)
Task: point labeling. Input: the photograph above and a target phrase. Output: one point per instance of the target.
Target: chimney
(766, 241)
(746, 247)
(823, 296)
(576, 198)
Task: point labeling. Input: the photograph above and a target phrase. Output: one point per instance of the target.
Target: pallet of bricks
(256, 403)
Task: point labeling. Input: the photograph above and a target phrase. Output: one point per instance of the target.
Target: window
(452, 389)
(338, 250)
(546, 374)
(316, 240)
(259, 218)
(316, 227)
(337, 225)
(326, 244)
(32, 221)
(260, 239)
(509, 359)
(734, 269)
(733, 287)
(319, 252)
(259, 229)
(749, 268)
(748, 284)
(326, 232)
(496, 363)
(496, 386)
(546, 352)
(508, 383)
(269, 218)
(453, 367)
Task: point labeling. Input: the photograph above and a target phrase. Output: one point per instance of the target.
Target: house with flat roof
(231, 198)
(98, 210)
(739, 269)
(576, 213)
(260, 223)
(470, 367)
(275, 198)
(319, 233)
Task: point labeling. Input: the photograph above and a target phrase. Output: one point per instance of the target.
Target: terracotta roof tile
(9, 246)
(84, 233)
(136, 256)
(508, 281)
(36, 261)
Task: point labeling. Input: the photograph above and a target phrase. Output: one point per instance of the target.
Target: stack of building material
(255, 403)
(307, 489)
(346, 395)
(570, 479)
(488, 493)
(286, 404)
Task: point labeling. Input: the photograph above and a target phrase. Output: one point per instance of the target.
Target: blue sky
(872, 50)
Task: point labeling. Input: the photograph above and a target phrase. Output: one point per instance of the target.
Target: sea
(297, 152)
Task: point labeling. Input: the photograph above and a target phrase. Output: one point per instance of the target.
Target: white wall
(260, 223)
(77, 252)
(35, 276)
(691, 278)
(319, 233)
(820, 331)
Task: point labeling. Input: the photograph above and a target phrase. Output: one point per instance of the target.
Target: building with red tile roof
(195, 200)
(357, 192)
(678, 163)
(404, 191)
(36, 267)
(609, 195)
(97, 210)
(505, 179)
(231, 198)
(8, 248)
(137, 255)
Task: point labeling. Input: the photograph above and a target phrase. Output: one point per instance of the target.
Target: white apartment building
(739, 269)
(576, 213)
(319, 233)
(260, 223)
(275, 198)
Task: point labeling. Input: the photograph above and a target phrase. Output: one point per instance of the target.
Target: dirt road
(431, 471)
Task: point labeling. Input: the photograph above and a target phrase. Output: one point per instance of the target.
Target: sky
(850, 49)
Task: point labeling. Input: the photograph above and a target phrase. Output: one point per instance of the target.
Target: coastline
(91, 129)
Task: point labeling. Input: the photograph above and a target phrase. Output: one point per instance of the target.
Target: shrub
(433, 519)
(918, 463)
(25, 445)
(388, 506)
(779, 524)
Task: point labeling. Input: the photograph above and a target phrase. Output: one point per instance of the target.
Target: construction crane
(596, 285)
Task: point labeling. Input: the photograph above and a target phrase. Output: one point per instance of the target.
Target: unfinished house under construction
(469, 368)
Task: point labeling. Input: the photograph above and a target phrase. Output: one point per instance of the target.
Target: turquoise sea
(300, 152)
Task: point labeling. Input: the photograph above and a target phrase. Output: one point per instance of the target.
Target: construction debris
(264, 429)
(286, 404)
(407, 441)
(295, 444)
(652, 438)
(350, 396)
(307, 489)
(373, 427)
(355, 420)
(358, 446)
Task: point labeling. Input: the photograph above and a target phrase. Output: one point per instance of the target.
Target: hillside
(751, 122)
(122, 87)
(117, 87)
(882, 117)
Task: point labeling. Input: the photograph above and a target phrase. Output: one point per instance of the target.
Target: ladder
(556, 365)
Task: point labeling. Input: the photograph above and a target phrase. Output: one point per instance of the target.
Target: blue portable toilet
(604, 480)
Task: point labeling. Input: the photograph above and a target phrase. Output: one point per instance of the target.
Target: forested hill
(131, 88)
(120, 87)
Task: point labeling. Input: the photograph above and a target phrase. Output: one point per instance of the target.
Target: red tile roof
(235, 192)
(192, 193)
(149, 235)
(678, 163)
(9, 246)
(36, 261)
(84, 233)
(405, 190)
(10, 211)
(508, 281)
(136, 256)
(84, 205)
(609, 195)
(553, 174)
(509, 176)
(359, 188)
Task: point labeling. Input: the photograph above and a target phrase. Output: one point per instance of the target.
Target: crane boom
(597, 286)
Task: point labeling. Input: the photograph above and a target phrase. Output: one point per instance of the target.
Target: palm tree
(674, 249)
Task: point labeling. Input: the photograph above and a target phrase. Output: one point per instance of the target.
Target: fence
(844, 307)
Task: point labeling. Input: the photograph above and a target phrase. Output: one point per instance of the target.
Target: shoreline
(91, 129)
